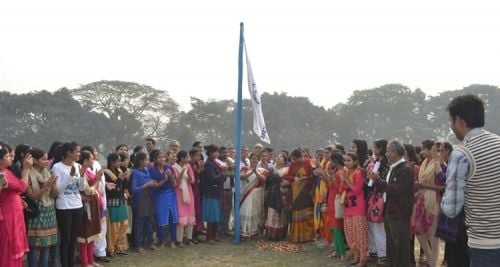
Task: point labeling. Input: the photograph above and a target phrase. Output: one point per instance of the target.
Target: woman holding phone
(13, 238)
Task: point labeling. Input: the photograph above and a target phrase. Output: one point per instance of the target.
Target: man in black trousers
(398, 196)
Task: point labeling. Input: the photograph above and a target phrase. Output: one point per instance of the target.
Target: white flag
(259, 126)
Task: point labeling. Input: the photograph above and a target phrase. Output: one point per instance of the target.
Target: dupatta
(186, 175)
(426, 175)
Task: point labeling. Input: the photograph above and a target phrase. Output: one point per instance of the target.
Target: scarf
(38, 178)
(350, 177)
(111, 175)
(427, 175)
(184, 176)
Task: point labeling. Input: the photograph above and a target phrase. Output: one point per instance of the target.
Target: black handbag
(31, 211)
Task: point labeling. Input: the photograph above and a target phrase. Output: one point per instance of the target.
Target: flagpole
(239, 119)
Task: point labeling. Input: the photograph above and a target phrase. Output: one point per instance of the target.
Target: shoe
(153, 247)
(122, 253)
(194, 241)
(321, 243)
(189, 242)
(102, 259)
(422, 259)
(179, 244)
(111, 255)
(353, 263)
(140, 250)
(381, 261)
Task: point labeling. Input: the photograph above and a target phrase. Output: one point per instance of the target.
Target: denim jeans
(484, 257)
(38, 257)
(143, 228)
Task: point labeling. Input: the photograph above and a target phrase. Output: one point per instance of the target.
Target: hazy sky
(305, 48)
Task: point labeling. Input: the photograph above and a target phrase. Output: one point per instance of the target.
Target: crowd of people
(371, 201)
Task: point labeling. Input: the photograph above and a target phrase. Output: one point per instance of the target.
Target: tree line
(107, 113)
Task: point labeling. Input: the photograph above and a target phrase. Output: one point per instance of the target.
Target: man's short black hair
(469, 108)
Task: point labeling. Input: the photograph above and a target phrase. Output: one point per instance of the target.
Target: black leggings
(68, 222)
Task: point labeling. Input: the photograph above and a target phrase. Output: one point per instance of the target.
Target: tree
(438, 116)
(392, 111)
(39, 118)
(294, 121)
(125, 102)
(111, 112)
(291, 121)
(208, 121)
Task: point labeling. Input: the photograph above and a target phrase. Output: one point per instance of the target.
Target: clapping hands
(373, 175)
(151, 184)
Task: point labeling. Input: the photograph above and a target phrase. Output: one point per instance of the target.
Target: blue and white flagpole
(239, 126)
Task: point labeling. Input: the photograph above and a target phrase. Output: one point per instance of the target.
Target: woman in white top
(69, 209)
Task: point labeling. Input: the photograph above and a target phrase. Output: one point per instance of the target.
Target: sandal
(333, 254)
(140, 250)
(422, 259)
(123, 253)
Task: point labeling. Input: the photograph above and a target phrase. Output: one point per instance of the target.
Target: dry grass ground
(228, 254)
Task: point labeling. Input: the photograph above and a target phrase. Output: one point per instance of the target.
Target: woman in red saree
(13, 238)
(300, 175)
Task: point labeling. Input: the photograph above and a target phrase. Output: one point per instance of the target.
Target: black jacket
(212, 182)
(399, 192)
